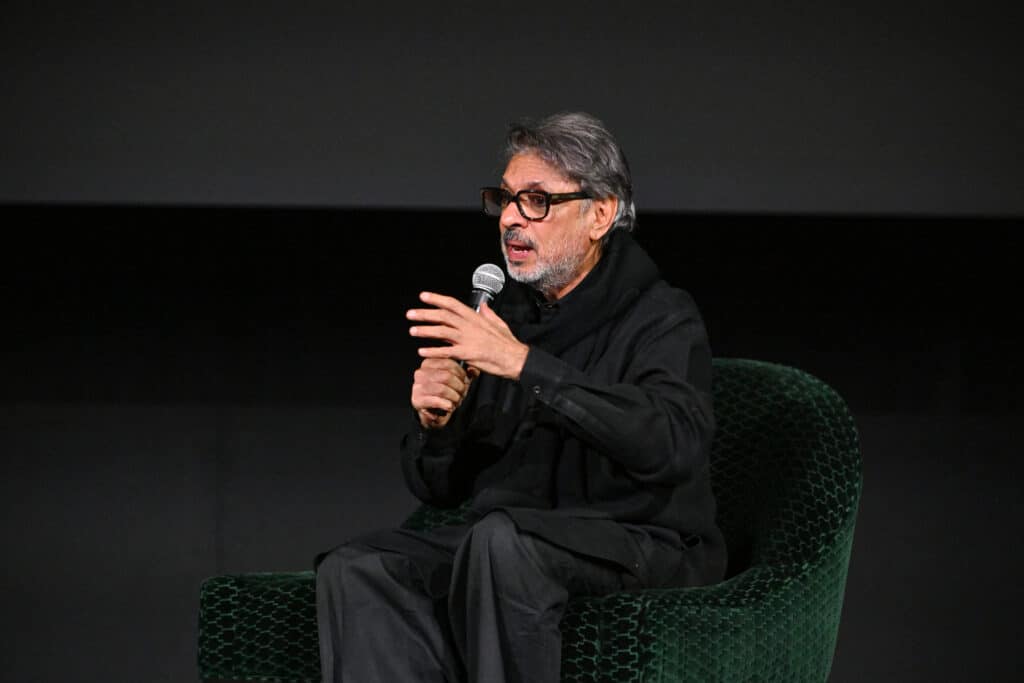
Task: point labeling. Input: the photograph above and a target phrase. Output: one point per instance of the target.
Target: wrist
(520, 361)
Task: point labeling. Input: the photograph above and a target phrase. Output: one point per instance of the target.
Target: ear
(604, 210)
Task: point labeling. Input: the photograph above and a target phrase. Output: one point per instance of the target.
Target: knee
(497, 558)
(344, 564)
(497, 537)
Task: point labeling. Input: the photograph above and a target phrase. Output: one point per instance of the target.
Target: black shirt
(611, 421)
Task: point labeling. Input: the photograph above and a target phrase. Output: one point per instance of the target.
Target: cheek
(574, 239)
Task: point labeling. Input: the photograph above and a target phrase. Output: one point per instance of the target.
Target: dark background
(216, 217)
(872, 107)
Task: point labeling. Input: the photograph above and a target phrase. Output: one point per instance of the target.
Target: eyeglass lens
(531, 204)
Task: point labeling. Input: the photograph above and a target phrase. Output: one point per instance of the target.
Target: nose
(510, 216)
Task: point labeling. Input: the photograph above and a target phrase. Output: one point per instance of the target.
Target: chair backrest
(785, 464)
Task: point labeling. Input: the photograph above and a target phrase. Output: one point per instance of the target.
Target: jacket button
(536, 389)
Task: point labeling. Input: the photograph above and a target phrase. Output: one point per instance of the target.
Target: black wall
(197, 298)
(193, 390)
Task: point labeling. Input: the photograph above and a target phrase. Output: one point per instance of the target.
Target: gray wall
(742, 107)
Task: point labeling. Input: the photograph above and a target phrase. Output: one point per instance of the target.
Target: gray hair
(581, 147)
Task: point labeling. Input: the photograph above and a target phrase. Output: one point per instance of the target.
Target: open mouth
(517, 251)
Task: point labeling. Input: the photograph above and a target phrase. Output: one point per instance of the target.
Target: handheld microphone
(488, 281)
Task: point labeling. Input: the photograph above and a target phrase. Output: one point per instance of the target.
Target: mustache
(514, 235)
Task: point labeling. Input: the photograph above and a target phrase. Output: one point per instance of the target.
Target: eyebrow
(532, 185)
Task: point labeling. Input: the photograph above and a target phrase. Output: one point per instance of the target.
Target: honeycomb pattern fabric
(786, 470)
(259, 627)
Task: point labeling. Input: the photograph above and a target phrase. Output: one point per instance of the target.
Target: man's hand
(438, 387)
(481, 339)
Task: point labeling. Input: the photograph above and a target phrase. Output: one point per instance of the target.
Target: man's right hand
(440, 384)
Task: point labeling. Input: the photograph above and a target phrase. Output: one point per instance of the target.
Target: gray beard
(549, 277)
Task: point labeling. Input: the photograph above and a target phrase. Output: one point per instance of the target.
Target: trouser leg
(508, 593)
(377, 621)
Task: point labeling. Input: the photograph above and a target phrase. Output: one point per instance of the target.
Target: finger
(432, 315)
(446, 302)
(436, 394)
(438, 352)
(434, 417)
(442, 392)
(434, 402)
(449, 334)
(457, 381)
(487, 312)
(441, 364)
(489, 315)
(444, 370)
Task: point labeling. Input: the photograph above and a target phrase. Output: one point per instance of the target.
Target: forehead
(530, 170)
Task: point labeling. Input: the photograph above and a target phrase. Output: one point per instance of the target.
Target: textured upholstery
(786, 471)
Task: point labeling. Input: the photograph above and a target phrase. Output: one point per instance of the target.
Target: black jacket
(602, 445)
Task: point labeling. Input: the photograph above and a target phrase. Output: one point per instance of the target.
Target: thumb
(487, 312)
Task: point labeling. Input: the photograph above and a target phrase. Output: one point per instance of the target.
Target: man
(575, 417)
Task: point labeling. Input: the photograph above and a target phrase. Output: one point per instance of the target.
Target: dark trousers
(478, 603)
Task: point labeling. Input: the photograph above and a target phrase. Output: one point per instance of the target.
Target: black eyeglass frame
(549, 199)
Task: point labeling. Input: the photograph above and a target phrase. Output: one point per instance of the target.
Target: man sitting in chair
(575, 418)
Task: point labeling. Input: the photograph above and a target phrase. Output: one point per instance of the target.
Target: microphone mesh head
(489, 278)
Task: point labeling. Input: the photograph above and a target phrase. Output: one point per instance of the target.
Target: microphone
(488, 281)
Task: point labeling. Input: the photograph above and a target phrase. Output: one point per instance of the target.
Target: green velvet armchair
(786, 469)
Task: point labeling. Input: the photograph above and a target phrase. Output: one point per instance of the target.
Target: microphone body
(479, 297)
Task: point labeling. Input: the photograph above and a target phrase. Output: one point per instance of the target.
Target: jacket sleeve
(657, 420)
(428, 463)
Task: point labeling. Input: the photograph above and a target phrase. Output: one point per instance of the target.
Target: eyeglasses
(533, 204)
